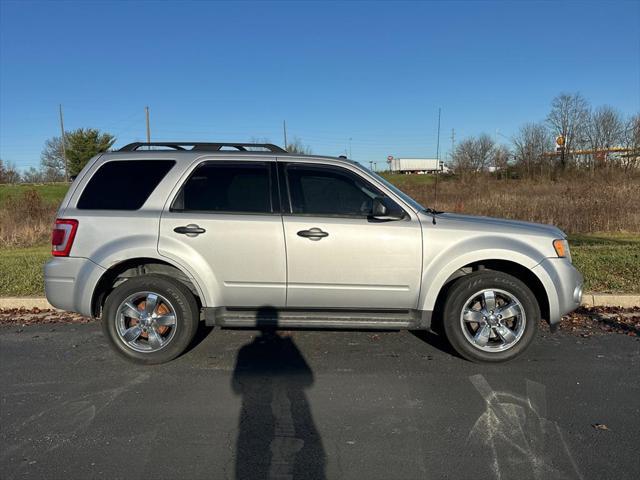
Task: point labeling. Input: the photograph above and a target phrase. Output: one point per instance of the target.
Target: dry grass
(577, 203)
(25, 219)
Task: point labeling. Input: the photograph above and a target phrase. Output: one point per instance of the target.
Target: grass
(607, 203)
(21, 271)
(402, 181)
(51, 193)
(609, 262)
(576, 201)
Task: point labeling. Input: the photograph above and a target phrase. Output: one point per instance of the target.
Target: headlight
(561, 246)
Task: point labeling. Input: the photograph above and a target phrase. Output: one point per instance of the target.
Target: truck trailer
(417, 165)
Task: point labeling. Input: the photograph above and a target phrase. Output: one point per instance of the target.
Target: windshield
(396, 190)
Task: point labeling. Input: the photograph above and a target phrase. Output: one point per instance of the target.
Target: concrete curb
(588, 300)
(607, 300)
(25, 302)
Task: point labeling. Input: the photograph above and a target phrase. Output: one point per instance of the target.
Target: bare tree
(501, 157)
(52, 160)
(569, 117)
(473, 154)
(605, 130)
(34, 175)
(296, 146)
(9, 173)
(530, 144)
(631, 141)
(81, 145)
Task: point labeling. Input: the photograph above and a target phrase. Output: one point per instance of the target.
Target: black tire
(185, 310)
(464, 289)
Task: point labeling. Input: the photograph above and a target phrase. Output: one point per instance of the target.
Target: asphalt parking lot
(309, 405)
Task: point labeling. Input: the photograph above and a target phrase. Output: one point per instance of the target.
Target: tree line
(79, 146)
(588, 134)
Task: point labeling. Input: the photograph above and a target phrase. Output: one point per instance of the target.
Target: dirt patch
(36, 316)
(590, 321)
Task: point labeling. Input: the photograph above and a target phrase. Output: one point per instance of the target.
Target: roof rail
(199, 146)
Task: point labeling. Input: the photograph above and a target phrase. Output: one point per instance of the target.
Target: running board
(316, 319)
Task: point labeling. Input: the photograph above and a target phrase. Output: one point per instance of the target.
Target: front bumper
(69, 283)
(563, 284)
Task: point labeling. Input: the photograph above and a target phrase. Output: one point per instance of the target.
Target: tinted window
(329, 191)
(123, 185)
(226, 187)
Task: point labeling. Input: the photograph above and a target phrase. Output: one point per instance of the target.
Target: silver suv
(157, 236)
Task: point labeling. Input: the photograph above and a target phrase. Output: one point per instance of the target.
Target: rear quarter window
(123, 184)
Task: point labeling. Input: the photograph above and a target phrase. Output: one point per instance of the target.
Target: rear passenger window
(123, 185)
(227, 187)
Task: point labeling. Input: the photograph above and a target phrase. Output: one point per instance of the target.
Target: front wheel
(150, 319)
(490, 316)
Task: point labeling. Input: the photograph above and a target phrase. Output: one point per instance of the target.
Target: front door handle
(190, 230)
(313, 234)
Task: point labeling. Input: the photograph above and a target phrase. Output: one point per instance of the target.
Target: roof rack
(199, 146)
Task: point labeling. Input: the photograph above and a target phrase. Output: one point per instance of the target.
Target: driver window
(329, 191)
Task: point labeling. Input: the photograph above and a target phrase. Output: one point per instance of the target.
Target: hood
(474, 222)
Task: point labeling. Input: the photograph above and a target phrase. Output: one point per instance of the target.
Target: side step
(331, 319)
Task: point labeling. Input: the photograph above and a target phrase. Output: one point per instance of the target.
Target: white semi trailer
(417, 165)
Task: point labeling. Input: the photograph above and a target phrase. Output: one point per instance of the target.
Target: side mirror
(380, 211)
(378, 208)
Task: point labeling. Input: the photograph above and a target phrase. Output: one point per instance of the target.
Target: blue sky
(372, 72)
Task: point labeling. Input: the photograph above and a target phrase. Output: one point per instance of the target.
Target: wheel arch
(525, 274)
(120, 272)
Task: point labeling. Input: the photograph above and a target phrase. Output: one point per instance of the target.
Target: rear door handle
(190, 230)
(313, 234)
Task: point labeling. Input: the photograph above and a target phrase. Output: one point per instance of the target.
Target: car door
(338, 256)
(225, 225)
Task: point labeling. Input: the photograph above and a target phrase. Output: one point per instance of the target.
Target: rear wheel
(150, 319)
(490, 316)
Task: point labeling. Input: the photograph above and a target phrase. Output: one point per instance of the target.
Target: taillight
(64, 231)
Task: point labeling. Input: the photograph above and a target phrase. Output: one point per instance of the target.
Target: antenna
(435, 193)
(146, 112)
(284, 129)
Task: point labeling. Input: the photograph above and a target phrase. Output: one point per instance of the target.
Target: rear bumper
(69, 283)
(563, 284)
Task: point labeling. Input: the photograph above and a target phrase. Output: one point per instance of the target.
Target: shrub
(25, 220)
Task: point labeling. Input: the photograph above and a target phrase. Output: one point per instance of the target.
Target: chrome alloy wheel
(146, 322)
(493, 320)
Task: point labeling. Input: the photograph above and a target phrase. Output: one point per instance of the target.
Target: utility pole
(350, 148)
(371, 165)
(63, 141)
(453, 142)
(284, 130)
(146, 111)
